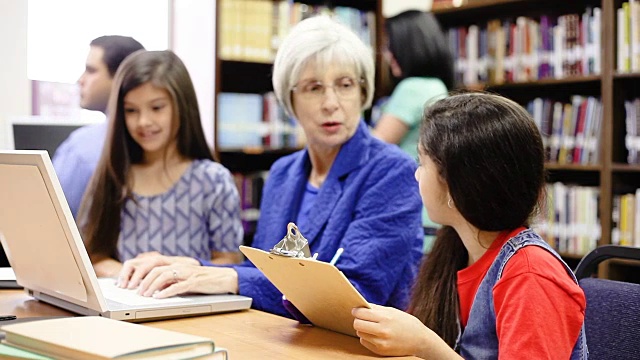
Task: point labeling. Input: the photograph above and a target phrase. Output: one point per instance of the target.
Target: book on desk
(101, 338)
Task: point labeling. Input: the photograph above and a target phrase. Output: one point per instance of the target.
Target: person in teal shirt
(421, 66)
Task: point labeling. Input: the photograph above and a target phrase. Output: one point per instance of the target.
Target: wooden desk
(248, 334)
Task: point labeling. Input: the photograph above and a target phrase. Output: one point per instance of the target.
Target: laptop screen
(4, 262)
(41, 136)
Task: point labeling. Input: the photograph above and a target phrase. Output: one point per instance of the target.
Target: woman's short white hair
(323, 41)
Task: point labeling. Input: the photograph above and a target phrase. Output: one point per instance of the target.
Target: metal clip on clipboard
(293, 244)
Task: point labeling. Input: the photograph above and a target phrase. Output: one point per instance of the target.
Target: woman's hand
(166, 281)
(390, 332)
(136, 269)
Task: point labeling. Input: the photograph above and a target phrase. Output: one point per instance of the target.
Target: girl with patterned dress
(157, 188)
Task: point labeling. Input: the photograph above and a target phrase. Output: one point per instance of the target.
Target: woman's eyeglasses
(345, 88)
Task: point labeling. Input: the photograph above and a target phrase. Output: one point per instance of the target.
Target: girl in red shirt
(490, 288)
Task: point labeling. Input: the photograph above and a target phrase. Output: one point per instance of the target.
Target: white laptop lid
(36, 133)
(46, 252)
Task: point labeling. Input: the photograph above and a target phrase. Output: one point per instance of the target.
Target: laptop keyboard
(112, 293)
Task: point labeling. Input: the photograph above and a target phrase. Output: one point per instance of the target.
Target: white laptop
(36, 133)
(46, 252)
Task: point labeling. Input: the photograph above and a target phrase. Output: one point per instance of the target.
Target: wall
(193, 40)
(15, 89)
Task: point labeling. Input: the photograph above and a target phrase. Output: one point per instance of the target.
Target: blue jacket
(369, 205)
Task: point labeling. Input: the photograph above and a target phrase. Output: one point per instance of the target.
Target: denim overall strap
(479, 339)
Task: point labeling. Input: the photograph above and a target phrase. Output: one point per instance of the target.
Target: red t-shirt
(539, 309)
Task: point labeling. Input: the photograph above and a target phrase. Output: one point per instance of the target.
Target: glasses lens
(345, 87)
(313, 88)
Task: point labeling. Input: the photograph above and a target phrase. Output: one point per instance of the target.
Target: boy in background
(77, 157)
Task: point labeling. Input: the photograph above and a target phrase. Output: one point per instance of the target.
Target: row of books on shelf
(625, 218)
(251, 30)
(632, 125)
(570, 131)
(250, 192)
(569, 218)
(628, 36)
(254, 120)
(528, 49)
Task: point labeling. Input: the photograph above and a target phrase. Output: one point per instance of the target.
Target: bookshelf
(243, 65)
(612, 175)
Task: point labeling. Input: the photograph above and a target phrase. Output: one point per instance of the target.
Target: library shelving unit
(611, 174)
(249, 73)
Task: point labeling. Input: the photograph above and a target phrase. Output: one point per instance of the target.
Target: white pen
(336, 256)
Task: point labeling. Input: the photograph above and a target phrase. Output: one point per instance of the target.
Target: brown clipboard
(318, 289)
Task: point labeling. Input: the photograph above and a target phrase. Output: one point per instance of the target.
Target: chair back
(612, 319)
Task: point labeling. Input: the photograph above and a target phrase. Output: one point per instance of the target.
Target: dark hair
(110, 184)
(489, 153)
(116, 49)
(420, 47)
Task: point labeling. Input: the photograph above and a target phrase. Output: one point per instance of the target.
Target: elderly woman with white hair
(346, 189)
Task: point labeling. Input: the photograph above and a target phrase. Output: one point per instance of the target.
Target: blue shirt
(76, 160)
(308, 201)
(369, 205)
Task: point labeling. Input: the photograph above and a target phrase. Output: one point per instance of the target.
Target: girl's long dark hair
(489, 152)
(420, 47)
(110, 185)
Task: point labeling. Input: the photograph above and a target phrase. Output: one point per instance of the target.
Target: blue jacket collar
(353, 154)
